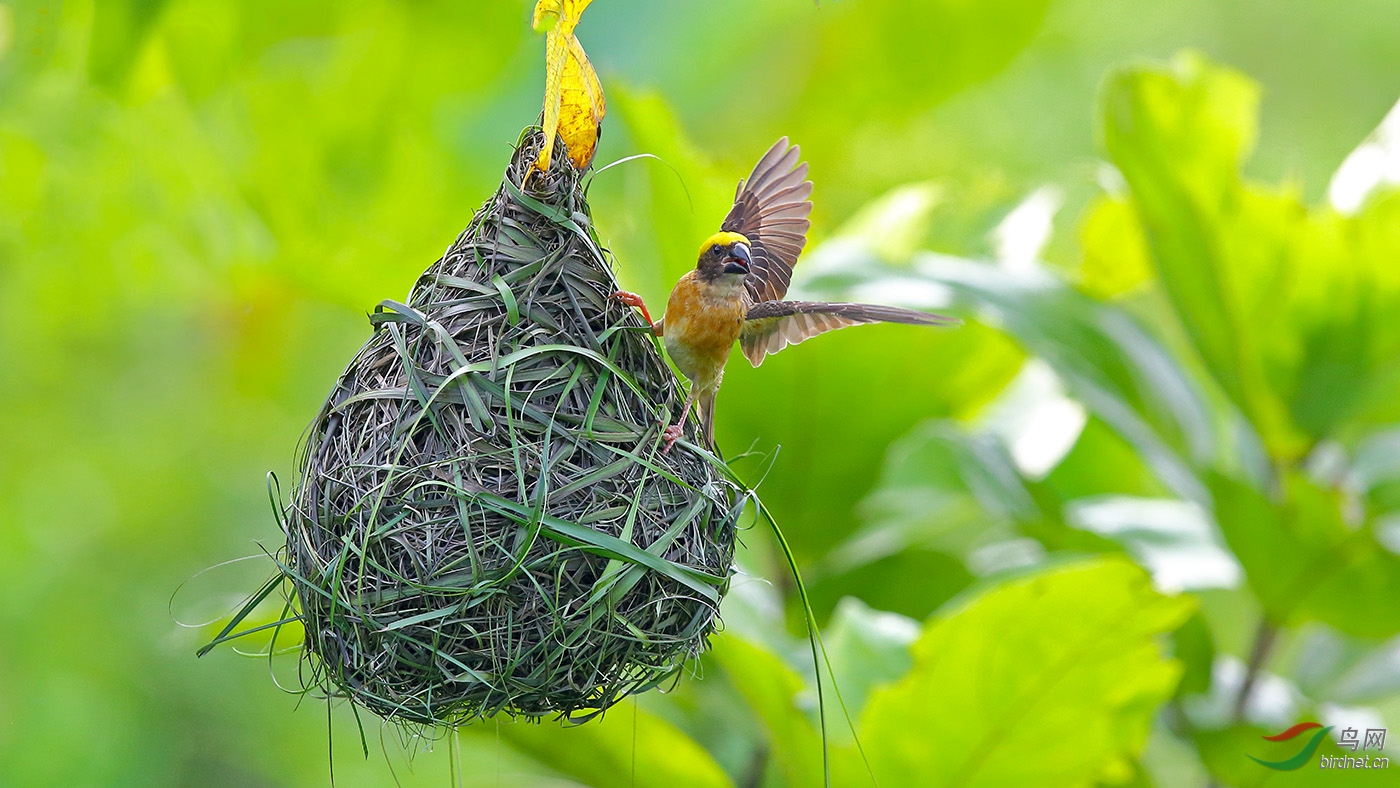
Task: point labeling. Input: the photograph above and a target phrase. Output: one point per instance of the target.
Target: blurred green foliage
(1160, 463)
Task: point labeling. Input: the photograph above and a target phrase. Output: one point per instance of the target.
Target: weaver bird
(736, 291)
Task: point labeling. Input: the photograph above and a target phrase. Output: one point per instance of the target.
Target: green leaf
(1106, 358)
(1116, 257)
(1304, 562)
(1301, 342)
(1193, 645)
(1100, 463)
(1179, 136)
(867, 647)
(625, 747)
(941, 487)
(1050, 679)
(772, 691)
(945, 490)
(1346, 363)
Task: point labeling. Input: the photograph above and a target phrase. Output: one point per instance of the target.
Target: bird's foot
(634, 300)
(670, 435)
(630, 299)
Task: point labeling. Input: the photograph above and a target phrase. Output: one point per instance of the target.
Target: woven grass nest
(484, 521)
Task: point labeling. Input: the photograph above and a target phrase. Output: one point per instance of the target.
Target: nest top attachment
(484, 521)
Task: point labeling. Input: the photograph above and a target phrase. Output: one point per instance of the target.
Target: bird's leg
(632, 299)
(673, 433)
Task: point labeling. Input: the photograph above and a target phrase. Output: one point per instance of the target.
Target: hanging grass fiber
(484, 521)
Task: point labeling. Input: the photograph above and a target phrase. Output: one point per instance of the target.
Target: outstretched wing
(771, 207)
(773, 325)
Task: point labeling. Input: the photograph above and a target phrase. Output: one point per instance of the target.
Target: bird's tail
(706, 404)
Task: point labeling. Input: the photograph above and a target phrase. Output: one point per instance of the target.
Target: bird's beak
(739, 259)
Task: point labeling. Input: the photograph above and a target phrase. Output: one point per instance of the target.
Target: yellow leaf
(581, 106)
(546, 15)
(549, 13)
(555, 53)
(573, 96)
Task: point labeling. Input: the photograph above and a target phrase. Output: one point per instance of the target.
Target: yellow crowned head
(721, 239)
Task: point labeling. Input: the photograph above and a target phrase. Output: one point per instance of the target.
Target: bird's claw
(630, 299)
(670, 435)
(634, 300)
